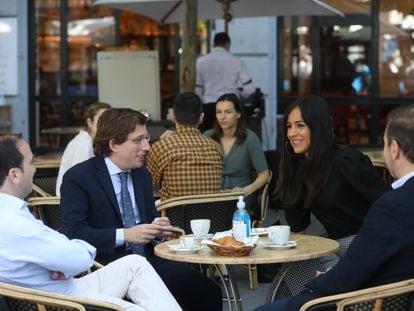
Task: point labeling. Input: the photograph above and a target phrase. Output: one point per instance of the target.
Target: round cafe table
(308, 247)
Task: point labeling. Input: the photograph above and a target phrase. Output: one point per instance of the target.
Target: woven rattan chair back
(219, 208)
(383, 171)
(45, 179)
(400, 299)
(263, 201)
(17, 298)
(16, 301)
(390, 297)
(48, 210)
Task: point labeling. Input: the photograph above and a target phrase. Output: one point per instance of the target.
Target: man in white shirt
(218, 73)
(35, 256)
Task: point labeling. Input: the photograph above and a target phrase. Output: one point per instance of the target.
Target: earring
(287, 150)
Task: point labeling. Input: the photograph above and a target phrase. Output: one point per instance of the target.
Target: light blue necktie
(129, 217)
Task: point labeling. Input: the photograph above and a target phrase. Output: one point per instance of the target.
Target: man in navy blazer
(92, 210)
(383, 250)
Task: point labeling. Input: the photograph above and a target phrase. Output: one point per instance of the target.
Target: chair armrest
(334, 298)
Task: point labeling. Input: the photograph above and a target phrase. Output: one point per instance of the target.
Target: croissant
(229, 241)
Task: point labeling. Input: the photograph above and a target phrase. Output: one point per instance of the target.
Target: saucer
(178, 248)
(289, 244)
(201, 237)
(258, 231)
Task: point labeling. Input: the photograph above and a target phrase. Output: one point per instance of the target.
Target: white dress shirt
(400, 182)
(116, 182)
(79, 149)
(30, 251)
(220, 72)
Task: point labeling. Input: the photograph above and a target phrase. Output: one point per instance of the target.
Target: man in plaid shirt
(186, 162)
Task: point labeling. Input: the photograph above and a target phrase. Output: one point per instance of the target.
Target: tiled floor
(252, 298)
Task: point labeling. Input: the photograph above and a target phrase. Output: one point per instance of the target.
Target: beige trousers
(132, 277)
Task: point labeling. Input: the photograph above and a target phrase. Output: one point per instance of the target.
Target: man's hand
(57, 275)
(166, 228)
(145, 233)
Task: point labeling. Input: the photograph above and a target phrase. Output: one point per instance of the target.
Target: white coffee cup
(200, 227)
(187, 242)
(279, 234)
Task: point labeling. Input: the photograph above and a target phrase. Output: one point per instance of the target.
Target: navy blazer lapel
(139, 195)
(104, 179)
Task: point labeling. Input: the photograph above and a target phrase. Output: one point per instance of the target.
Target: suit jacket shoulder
(89, 206)
(383, 250)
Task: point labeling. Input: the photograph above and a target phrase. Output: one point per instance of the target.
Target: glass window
(90, 29)
(345, 49)
(396, 48)
(298, 64)
(49, 115)
(47, 57)
(62, 88)
(345, 60)
(351, 123)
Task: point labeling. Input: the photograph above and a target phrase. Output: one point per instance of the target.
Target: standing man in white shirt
(35, 256)
(218, 73)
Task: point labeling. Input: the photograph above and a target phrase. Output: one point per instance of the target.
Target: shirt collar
(9, 200)
(188, 129)
(113, 169)
(400, 182)
(219, 49)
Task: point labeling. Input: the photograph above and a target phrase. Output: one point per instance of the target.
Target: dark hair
(115, 124)
(10, 155)
(400, 127)
(92, 110)
(302, 178)
(241, 122)
(221, 39)
(187, 108)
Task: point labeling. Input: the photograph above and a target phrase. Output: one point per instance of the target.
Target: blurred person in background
(242, 150)
(80, 147)
(219, 72)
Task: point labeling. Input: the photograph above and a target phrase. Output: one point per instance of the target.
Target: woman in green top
(242, 149)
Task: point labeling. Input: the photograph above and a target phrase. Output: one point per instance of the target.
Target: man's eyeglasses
(140, 140)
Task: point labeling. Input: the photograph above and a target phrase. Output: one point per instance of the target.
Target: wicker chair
(47, 209)
(17, 298)
(263, 202)
(383, 170)
(219, 207)
(389, 297)
(44, 181)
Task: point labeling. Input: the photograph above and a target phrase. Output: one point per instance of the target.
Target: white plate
(178, 248)
(258, 231)
(201, 237)
(288, 245)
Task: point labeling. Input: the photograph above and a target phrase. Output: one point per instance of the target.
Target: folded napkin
(250, 241)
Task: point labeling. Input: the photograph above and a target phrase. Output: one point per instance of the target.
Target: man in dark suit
(383, 250)
(108, 202)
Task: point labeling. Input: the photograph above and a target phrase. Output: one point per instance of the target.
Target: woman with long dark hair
(242, 149)
(337, 184)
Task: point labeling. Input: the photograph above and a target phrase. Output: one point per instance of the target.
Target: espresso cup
(187, 242)
(200, 227)
(279, 234)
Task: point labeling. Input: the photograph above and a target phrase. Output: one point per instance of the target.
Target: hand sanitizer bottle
(241, 221)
